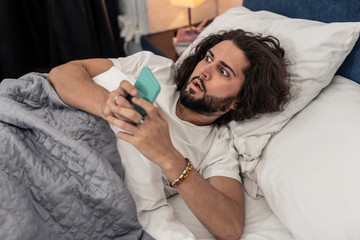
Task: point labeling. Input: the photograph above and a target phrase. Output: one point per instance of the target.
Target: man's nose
(205, 73)
(204, 76)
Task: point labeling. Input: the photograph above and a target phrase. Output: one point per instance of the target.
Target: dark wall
(40, 34)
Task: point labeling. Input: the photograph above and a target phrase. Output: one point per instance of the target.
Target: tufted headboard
(320, 10)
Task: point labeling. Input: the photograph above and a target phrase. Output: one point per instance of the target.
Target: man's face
(216, 80)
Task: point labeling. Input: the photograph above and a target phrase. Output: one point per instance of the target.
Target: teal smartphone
(148, 88)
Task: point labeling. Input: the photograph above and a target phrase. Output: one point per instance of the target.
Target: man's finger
(147, 106)
(120, 123)
(120, 101)
(130, 114)
(160, 114)
(128, 88)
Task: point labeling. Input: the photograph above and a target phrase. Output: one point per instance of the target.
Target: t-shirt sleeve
(110, 79)
(162, 67)
(222, 158)
(129, 68)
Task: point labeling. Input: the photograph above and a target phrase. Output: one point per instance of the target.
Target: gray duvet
(60, 171)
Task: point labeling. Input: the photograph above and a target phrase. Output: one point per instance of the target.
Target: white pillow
(310, 171)
(315, 49)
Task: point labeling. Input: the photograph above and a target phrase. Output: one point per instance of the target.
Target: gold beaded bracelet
(184, 174)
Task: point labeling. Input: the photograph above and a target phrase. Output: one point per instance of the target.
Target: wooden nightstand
(160, 44)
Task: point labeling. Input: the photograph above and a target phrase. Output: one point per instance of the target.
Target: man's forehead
(226, 44)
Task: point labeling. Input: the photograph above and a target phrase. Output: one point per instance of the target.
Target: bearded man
(183, 145)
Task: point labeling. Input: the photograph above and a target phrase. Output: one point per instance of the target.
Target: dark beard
(207, 105)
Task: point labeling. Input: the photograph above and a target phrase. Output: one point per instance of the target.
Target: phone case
(148, 88)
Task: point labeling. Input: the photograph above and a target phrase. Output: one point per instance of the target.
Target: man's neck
(193, 117)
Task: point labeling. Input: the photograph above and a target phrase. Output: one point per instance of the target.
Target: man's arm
(73, 82)
(218, 202)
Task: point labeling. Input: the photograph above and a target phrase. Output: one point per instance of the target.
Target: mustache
(201, 82)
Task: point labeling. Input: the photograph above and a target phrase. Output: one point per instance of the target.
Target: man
(230, 76)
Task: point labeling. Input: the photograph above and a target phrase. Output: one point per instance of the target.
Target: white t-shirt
(209, 148)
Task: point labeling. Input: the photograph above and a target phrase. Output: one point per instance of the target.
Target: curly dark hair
(266, 88)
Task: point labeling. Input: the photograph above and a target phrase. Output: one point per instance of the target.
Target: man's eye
(208, 59)
(224, 72)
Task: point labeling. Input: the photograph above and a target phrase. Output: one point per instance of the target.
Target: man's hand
(152, 137)
(117, 105)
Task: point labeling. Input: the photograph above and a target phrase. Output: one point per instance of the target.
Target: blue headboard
(320, 10)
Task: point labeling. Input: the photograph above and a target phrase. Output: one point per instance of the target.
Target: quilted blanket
(60, 171)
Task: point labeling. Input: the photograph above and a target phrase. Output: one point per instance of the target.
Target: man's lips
(197, 85)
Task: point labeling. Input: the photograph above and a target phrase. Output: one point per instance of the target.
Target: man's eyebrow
(222, 62)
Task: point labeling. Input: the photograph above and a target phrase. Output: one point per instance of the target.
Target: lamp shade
(187, 3)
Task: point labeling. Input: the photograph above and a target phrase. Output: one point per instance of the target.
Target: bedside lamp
(189, 4)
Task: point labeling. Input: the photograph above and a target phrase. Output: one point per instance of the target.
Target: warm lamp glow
(187, 3)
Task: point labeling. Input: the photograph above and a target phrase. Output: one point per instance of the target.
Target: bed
(300, 167)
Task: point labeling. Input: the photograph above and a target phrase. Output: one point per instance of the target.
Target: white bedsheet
(260, 224)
